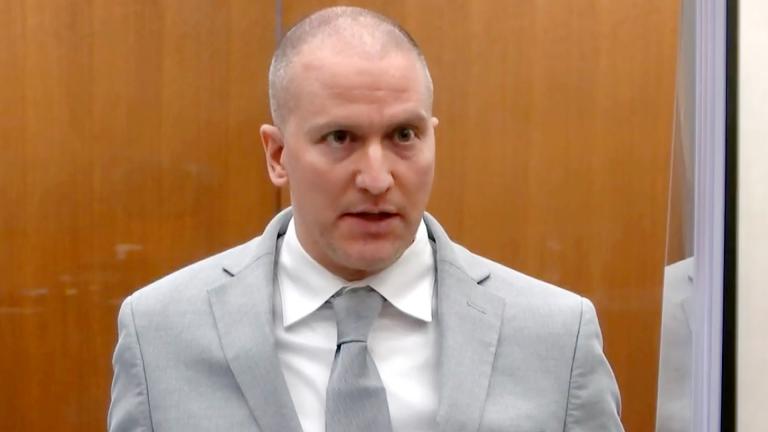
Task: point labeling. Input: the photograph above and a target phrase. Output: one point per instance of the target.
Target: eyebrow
(415, 117)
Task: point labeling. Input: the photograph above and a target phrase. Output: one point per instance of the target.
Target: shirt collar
(305, 285)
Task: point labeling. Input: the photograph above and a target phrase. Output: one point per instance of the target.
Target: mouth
(372, 216)
(372, 223)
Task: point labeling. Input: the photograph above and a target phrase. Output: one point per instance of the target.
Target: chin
(366, 262)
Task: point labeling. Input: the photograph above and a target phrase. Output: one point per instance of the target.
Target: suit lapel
(242, 307)
(469, 321)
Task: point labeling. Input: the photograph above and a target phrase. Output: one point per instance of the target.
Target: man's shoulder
(543, 310)
(191, 283)
(516, 288)
(514, 285)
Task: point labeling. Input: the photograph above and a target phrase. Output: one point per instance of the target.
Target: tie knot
(356, 309)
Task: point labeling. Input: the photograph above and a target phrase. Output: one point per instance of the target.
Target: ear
(272, 140)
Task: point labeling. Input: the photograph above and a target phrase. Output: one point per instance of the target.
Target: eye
(405, 135)
(338, 138)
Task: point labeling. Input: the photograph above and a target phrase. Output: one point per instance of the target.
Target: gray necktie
(356, 399)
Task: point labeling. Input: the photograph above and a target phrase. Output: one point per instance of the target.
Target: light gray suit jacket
(196, 349)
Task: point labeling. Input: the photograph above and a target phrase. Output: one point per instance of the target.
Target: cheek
(316, 184)
(421, 174)
(302, 168)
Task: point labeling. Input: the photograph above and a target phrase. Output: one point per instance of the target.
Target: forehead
(338, 76)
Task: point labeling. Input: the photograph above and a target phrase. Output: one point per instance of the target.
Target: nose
(374, 175)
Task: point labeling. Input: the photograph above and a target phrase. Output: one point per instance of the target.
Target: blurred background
(129, 147)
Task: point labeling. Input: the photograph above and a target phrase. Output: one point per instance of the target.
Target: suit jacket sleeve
(129, 408)
(593, 396)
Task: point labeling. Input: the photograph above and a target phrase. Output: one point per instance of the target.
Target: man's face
(357, 151)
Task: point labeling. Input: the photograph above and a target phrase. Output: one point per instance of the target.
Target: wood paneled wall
(129, 137)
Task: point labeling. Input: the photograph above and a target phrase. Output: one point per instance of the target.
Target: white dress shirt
(402, 342)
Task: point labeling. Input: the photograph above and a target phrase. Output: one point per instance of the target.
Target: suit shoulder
(515, 285)
(194, 279)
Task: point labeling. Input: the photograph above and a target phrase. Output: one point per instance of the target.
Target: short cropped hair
(366, 28)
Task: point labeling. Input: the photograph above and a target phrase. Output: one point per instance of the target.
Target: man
(354, 310)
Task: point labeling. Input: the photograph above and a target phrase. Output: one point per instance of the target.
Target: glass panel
(674, 397)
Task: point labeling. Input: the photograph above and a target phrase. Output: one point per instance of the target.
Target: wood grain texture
(129, 135)
(554, 149)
